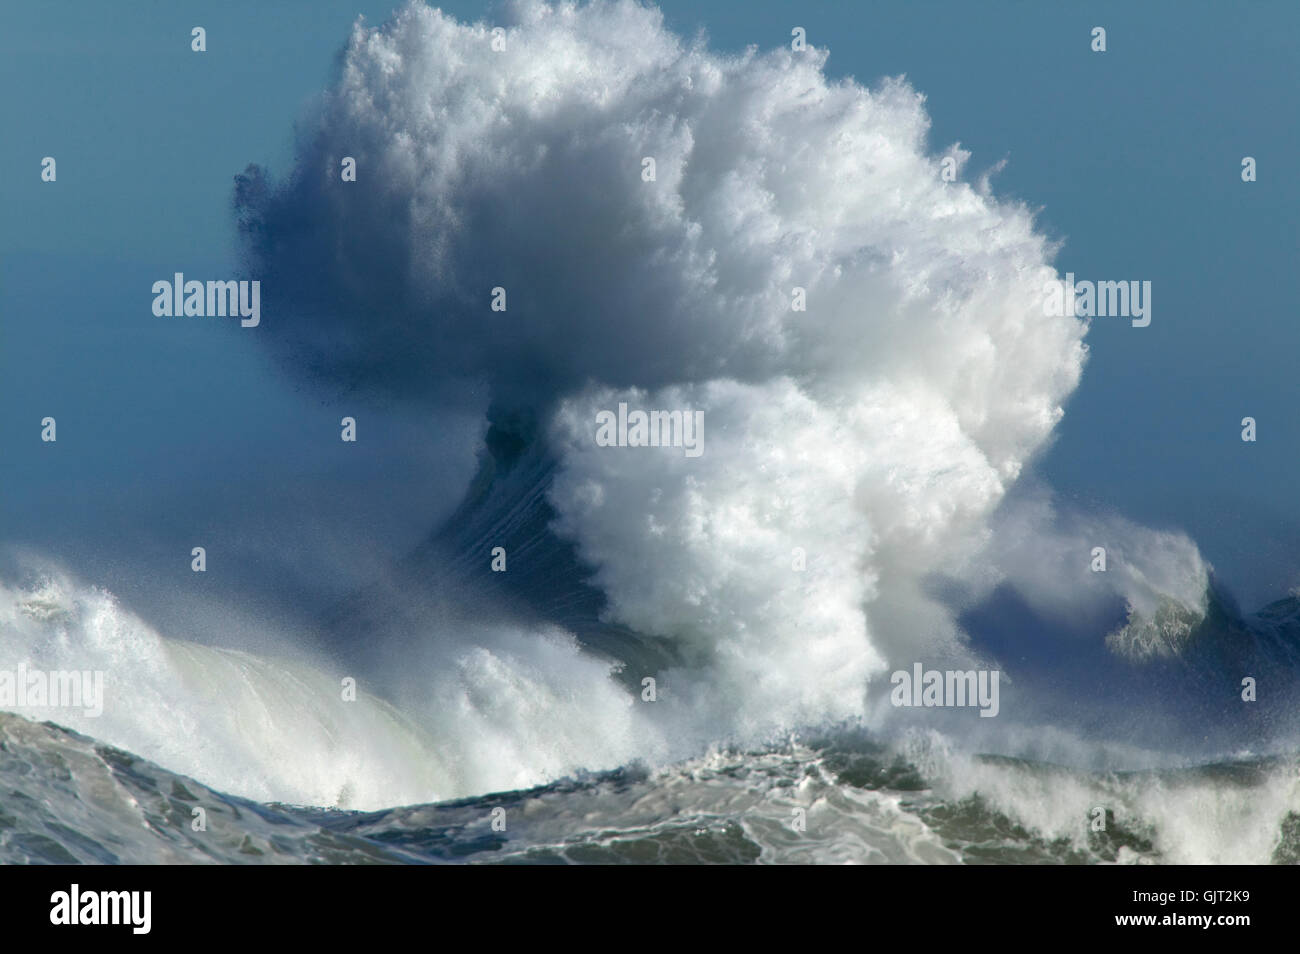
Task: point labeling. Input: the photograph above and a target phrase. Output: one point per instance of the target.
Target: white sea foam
(876, 431)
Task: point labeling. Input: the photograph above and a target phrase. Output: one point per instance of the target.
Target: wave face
(71, 800)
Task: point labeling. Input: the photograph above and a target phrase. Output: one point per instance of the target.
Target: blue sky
(1133, 157)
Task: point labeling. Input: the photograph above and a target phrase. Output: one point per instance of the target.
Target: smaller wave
(266, 728)
(495, 710)
(1242, 811)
